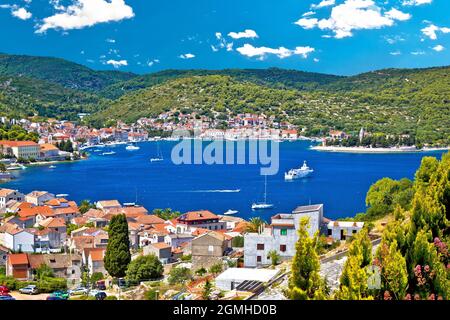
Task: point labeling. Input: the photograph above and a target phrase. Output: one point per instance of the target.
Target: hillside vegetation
(391, 101)
(59, 71)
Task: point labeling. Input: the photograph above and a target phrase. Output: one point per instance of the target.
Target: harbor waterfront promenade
(376, 150)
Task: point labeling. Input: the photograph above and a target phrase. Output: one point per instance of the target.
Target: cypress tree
(118, 254)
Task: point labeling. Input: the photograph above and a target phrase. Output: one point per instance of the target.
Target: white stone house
(38, 198)
(16, 238)
(281, 235)
(342, 230)
(9, 194)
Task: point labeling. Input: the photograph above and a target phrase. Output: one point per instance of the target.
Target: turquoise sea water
(340, 180)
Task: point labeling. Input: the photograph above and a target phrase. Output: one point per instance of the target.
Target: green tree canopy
(144, 268)
(305, 282)
(118, 254)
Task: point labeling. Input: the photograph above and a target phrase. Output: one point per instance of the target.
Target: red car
(4, 291)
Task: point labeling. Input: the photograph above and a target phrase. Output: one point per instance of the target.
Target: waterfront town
(238, 259)
(53, 248)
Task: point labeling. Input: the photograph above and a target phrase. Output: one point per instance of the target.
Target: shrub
(97, 276)
(179, 275)
(151, 295)
(144, 268)
(237, 242)
(200, 272)
(186, 258)
(48, 285)
(217, 268)
(111, 298)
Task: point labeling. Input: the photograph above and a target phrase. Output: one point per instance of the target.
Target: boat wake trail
(216, 191)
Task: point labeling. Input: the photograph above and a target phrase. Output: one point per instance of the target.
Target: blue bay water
(340, 180)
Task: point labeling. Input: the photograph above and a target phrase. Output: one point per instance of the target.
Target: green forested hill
(391, 101)
(219, 96)
(59, 71)
(272, 77)
(22, 96)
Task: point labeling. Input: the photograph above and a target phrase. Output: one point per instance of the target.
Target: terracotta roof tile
(18, 259)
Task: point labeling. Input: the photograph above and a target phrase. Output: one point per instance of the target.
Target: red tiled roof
(18, 259)
(149, 219)
(34, 211)
(197, 215)
(18, 143)
(160, 245)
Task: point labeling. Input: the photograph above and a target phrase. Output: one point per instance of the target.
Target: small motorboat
(132, 148)
(108, 153)
(231, 212)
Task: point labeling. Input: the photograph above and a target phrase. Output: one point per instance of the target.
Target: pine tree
(118, 254)
(354, 284)
(394, 275)
(305, 282)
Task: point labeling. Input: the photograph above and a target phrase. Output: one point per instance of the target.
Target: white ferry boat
(302, 172)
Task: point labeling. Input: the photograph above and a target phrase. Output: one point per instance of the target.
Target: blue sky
(330, 36)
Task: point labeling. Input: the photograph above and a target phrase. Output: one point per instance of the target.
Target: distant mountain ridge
(390, 101)
(65, 73)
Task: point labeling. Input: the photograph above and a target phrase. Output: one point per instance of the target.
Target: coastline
(374, 150)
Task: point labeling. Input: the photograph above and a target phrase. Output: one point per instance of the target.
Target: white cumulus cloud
(432, 30)
(187, 56)
(439, 48)
(416, 2)
(86, 13)
(21, 13)
(117, 63)
(397, 15)
(354, 15)
(324, 3)
(248, 33)
(261, 52)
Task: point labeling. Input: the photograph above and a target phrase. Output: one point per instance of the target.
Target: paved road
(19, 296)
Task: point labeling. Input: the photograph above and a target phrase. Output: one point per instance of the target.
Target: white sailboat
(159, 156)
(263, 205)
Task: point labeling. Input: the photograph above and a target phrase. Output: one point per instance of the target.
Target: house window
(354, 231)
(260, 246)
(283, 248)
(210, 248)
(330, 232)
(283, 232)
(258, 258)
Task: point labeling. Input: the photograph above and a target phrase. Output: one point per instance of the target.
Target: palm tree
(255, 224)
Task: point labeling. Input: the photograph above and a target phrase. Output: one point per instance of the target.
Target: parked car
(101, 295)
(7, 297)
(4, 290)
(101, 285)
(54, 298)
(64, 295)
(122, 283)
(31, 289)
(79, 291)
(97, 294)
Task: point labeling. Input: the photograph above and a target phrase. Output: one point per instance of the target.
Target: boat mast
(265, 188)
